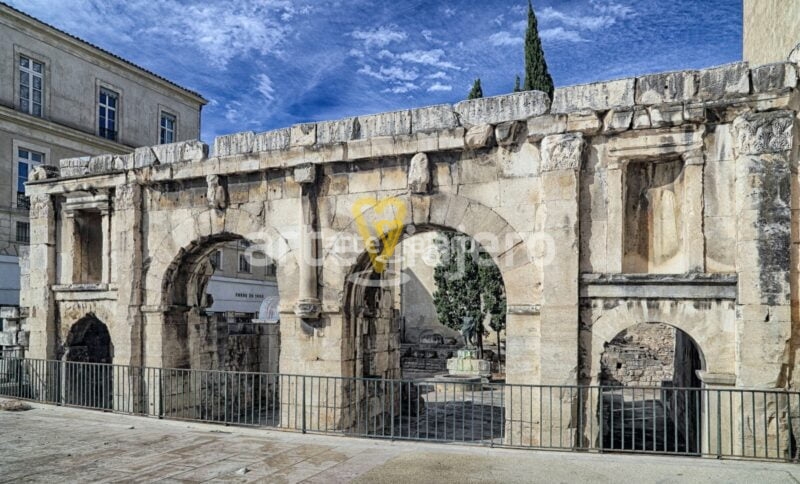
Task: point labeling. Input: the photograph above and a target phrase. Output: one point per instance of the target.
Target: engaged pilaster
(308, 305)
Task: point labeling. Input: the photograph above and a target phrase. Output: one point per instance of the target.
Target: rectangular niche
(88, 243)
(655, 219)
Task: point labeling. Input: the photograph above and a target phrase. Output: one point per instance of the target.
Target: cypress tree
(476, 90)
(537, 78)
(517, 87)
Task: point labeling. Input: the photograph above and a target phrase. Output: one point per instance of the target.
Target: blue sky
(264, 64)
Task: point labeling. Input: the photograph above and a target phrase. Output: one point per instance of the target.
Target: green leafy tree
(517, 87)
(493, 295)
(468, 283)
(537, 77)
(476, 91)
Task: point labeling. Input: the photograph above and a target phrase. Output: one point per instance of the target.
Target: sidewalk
(56, 444)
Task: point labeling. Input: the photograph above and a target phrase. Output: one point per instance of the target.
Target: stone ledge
(659, 286)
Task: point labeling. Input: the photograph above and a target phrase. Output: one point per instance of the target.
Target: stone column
(125, 263)
(37, 296)
(763, 144)
(558, 331)
(308, 304)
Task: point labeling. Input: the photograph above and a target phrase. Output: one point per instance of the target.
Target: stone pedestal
(467, 363)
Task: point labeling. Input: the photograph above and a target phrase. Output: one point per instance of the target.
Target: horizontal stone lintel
(523, 309)
(659, 286)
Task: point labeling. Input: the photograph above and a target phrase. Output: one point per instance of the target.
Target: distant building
(771, 30)
(243, 283)
(62, 97)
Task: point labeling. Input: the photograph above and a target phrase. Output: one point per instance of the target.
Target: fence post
(304, 405)
(719, 425)
(600, 422)
(392, 411)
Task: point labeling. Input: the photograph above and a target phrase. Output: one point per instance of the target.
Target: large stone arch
(445, 212)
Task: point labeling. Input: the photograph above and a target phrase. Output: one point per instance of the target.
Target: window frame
(29, 75)
(27, 231)
(101, 129)
(162, 129)
(22, 51)
(16, 146)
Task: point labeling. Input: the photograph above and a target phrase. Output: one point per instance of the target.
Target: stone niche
(88, 240)
(654, 220)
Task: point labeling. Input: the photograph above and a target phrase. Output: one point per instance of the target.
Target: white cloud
(438, 75)
(559, 34)
(431, 57)
(402, 88)
(603, 14)
(265, 87)
(380, 36)
(393, 73)
(504, 38)
(439, 87)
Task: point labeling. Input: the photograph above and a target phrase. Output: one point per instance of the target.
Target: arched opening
(88, 375)
(406, 310)
(651, 392)
(218, 293)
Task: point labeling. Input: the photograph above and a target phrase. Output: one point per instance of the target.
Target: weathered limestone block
(432, 118)
(599, 96)
(419, 174)
(305, 174)
(479, 136)
(337, 131)
(216, 194)
(276, 140)
(497, 109)
(74, 166)
(385, 124)
(666, 115)
(43, 172)
(769, 132)
(694, 113)
(641, 118)
(617, 120)
(773, 77)
(545, 125)
(665, 88)
(562, 152)
(303, 135)
(731, 80)
(192, 151)
(102, 164)
(506, 133)
(144, 156)
(234, 144)
(586, 122)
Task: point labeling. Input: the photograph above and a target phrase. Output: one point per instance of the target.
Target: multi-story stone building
(63, 97)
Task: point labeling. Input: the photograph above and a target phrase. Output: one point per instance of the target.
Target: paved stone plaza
(52, 444)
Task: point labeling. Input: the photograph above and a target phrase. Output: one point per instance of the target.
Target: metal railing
(722, 423)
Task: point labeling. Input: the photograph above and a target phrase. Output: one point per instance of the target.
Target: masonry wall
(770, 30)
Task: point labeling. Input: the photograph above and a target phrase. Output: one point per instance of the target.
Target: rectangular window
(108, 105)
(26, 160)
(216, 259)
(23, 232)
(167, 128)
(244, 262)
(31, 85)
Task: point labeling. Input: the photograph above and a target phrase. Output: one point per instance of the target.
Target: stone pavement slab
(52, 444)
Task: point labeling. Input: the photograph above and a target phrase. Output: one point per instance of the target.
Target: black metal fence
(729, 423)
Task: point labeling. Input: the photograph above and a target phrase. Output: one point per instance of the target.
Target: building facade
(62, 97)
(771, 30)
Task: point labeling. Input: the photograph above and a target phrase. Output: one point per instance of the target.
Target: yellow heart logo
(386, 230)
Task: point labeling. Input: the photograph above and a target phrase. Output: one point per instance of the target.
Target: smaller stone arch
(87, 377)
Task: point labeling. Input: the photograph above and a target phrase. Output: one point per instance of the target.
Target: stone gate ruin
(669, 198)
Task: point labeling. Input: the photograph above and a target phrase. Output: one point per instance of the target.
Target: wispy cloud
(265, 87)
(431, 58)
(439, 87)
(560, 34)
(380, 36)
(505, 38)
(393, 73)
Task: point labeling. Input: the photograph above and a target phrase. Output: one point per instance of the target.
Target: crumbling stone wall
(643, 355)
